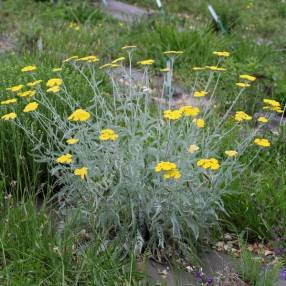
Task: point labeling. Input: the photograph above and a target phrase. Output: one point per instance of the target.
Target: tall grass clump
(146, 175)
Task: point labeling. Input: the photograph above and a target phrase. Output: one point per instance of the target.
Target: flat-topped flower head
(262, 142)
(32, 106)
(73, 58)
(271, 102)
(89, 59)
(15, 88)
(65, 159)
(172, 114)
(173, 174)
(172, 53)
(57, 69)
(193, 148)
(8, 101)
(118, 60)
(9, 116)
(72, 141)
(165, 166)
(28, 93)
(81, 172)
(215, 68)
(201, 93)
(79, 115)
(146, 62)
(130, 47)
(165, 70)
(231, 153)
(242, 116)
(210, 163)
(34, 83)
(29, 68)
(248, 77)
(198, 68)
(243, 84)
(54, 82)
(54, 89)
(222, 54)
(262, 119)
(199, 122)
(108, 134)
(189, 110)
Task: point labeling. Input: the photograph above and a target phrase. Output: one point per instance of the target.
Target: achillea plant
(149, 175)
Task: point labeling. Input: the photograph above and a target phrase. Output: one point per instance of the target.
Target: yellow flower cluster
(54, 84)
(28, 93)
(272, 105)
(262, 119)
(200, 93)
(89, 59)
(72, 141)
(29, 68)
(9, 116)
(108, 134)
(231, 153)
(170, 53)
(8, 101)
(242, 116)
(193, 148)
(210, 163)
(129, 47)
(215, 68)
(222, 54)
(79, 115)
(199, 122)
(34, 83)
(65, 159)
(243, 84)
(118, 60)
(189, 110)
(262, 142)
(70, 59)
(170, 170)
(32, 106)
(146, 62)
(172, 114)
(15, 88)
(248, 77)
(81, 172)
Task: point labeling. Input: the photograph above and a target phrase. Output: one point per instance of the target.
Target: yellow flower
(32, 106)
(56, 69)
(34, 83)
(262, 142)
(9, 116)
(79, 115)
(29, 68)
(89, 59)
(54, 82)
(54, 89)
(128, 47)
(271, 102)
(28, 93)
(241, 116)
(165, 70)
(173, 174)
(165, 166)
(198, 68)
(215, 68)
(222, 54)
(200, 93)
(9, 101)
(262, 119)
(189, 110)
(248, 77)
(118, 60)
(146, 62)
(74, 26)
(65, 159)
(72, 141)
(231, 153)
(173, 52)
(172, 114)
(193, 148)
(200, 123)
(82, 172)
(15, 88)
(210, 163)
(70, 59)
(108, 134)
(276, 109)
(242, 84)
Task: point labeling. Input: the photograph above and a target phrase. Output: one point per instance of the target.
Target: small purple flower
(282, 274)
(279, 251)
(209, 280)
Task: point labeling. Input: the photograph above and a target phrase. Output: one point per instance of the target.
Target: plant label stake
(216, 18)
(159, 4)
